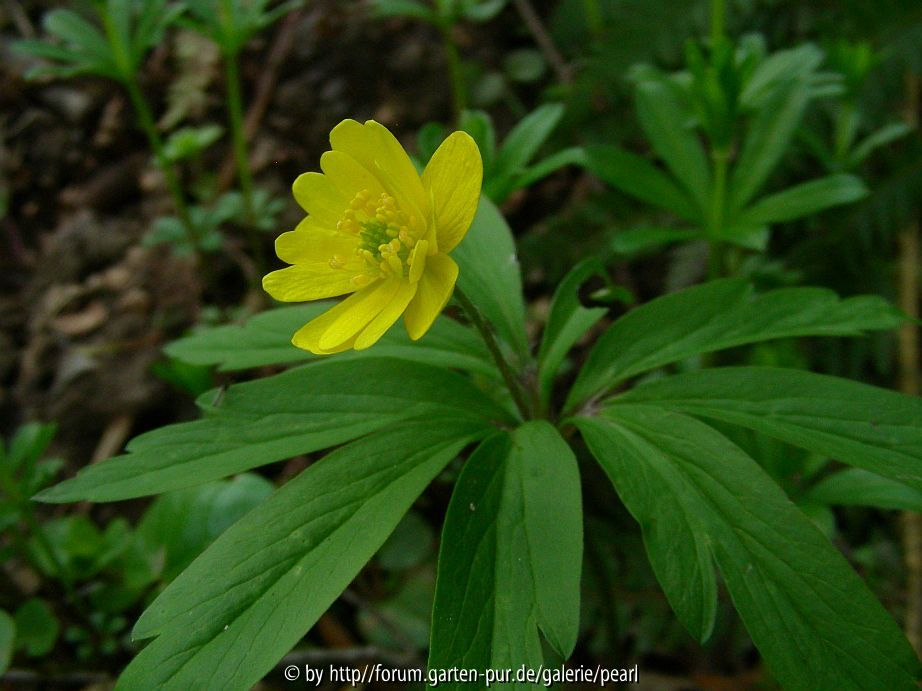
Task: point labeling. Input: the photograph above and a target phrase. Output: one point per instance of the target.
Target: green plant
(721, 129)
(116, 49)
(509, 166)
(698, 497)
(231, 24)
(444, 15)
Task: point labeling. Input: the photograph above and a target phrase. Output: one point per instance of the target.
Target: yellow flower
(377, 229)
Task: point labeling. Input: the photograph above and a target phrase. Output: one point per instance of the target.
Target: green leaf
(812, 618)
(571, 156)
(511, 555)
(856, 487)
(567, 322)
(767, 140)
(265, 339)
(185, 522)
(716, 315)
(7, 640)
(661, 116)
(404, 8)
(259, 588)
(296, 412)
(639, 178)
(634, 241)
(875, 140)
(519, 147)
(37, 627)
(861, 425)
(675, 536)
(805, 199)
(79, 33)
(489, 275)
(190, 141)
(778, 68)
(481, 10)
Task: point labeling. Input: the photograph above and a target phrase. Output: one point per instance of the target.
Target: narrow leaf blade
(861, 425)
(720, 314)
(812, 618)
(258, 589)
(259, 422)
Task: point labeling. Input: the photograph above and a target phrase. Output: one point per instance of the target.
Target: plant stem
(455, 73)
(909, 383)
(146, 120)
(720, 158)
(512, 382)
(241, 157)
(593, 17)
(718, 16)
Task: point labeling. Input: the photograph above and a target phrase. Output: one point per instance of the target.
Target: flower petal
(435, 288)
(418, 260)
(348, 175)
(311, 243)
(375, 148)
(308, 282)
(358, 311)
(319, 197)
(308, 336)
(452, 179)
(386, 318)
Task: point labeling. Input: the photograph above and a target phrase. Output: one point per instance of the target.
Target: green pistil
(374, 234)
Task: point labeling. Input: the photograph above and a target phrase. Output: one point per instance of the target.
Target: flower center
(384, 233)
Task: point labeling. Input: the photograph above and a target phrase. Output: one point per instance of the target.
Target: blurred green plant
(116, 49)
(846, 152)
(444, 15)
(507, 167)
(104, 573)
(231, 24)
(721, 129)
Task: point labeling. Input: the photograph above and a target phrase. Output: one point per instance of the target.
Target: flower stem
(720, 159)
(512, 382)
(455, 73)
(146, 120)
(241, 156)
(718, 15)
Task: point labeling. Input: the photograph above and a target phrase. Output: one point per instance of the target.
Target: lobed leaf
(511, 555)
(259, 588)
(715, 315)
(267, 420)
(812, 618)
(861, 425)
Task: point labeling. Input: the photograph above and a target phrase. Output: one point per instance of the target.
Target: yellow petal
(348, 175)
(434, 290)
(319, 197)
(453, 179)
(386, 318)
(307, 282)
(308, 336)
(358, 310)
(375, 148)
(418, 260)
(311, 243)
